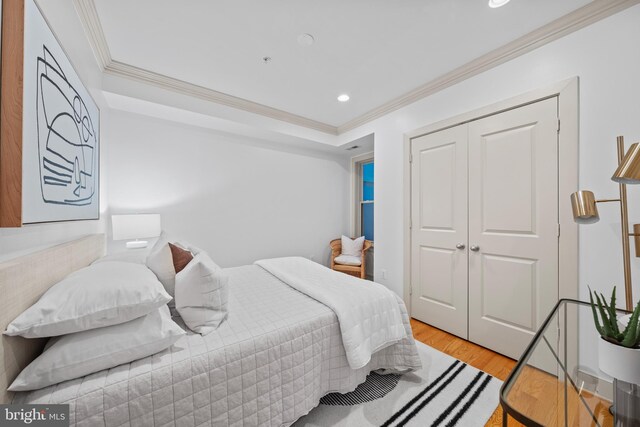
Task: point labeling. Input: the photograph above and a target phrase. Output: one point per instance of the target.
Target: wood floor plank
(540, 392)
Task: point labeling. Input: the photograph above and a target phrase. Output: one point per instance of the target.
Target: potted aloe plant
(619, 348)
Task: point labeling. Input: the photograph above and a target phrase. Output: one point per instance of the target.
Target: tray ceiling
(378, 52)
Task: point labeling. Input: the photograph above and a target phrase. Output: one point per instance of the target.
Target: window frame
(356, 191)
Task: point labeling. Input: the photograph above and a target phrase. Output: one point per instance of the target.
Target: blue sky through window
(367, 195)
(367, 181)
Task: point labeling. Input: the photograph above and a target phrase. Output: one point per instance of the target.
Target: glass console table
(557, 381)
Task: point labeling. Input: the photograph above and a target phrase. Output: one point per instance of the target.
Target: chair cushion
(352, 247)
(348, 260)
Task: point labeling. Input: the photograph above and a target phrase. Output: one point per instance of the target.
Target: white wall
(606, 57)
(65, 24)
(237, 198)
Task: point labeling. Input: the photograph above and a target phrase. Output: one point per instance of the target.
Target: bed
(269, 363)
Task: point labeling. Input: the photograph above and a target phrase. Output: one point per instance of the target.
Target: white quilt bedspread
(368, 312)
(268, 364)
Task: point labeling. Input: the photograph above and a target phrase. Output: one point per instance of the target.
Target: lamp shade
(135, 226)
(583, 204)
(629, 170)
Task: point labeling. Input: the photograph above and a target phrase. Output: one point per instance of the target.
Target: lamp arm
(624, 220)
(608, 200)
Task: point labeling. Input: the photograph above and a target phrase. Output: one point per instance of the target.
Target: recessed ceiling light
(343, 98)
(305, 39)
(497, 3)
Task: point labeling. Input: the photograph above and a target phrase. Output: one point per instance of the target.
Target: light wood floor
(539, 391)
(479, 357)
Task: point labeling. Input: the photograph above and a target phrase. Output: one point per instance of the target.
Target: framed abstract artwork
(49, 126)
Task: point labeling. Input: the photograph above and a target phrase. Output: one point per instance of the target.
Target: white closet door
(513, 225)
(439, 224)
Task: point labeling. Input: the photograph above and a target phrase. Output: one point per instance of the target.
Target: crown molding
(131, 72)
(88, 14)
(580, 18)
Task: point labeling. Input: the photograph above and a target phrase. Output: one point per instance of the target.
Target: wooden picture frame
(12, 62)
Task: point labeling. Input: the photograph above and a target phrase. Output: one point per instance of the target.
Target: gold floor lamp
(585, 210)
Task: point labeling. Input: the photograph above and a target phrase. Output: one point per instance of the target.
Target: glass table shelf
(557, 381)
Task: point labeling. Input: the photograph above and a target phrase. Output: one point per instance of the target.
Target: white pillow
(352, 247)
(160, 261)
(201, 294)
(100, 295)
(83, 353)
(136, 256)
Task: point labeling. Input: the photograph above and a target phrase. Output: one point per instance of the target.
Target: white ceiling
(374, 50)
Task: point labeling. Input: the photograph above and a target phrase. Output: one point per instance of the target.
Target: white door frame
(567, 92)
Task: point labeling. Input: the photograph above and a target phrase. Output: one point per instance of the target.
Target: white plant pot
(620, 362)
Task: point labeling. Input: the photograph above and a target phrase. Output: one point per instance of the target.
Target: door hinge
(558, 125)
(410, 224)
(410, 157)
(558, 230)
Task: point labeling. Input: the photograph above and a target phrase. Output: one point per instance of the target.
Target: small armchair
(353, 270)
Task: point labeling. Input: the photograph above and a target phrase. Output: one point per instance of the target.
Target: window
(364, 218)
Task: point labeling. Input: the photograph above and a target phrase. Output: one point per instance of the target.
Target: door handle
(475, 248)
(460, 246)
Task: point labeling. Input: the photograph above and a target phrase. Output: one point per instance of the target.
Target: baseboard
(603, 388)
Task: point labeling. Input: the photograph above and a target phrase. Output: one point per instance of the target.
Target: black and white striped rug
(445, 392)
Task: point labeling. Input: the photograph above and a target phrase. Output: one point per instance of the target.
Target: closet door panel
(439, 227)
(513, 225)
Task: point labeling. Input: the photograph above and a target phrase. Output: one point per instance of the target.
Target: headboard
(23, 280)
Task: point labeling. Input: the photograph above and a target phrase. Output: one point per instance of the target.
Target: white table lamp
(127, 227)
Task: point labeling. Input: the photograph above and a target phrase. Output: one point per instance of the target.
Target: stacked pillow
(199, 286)
(104, 315)
(168, 259)
(100, 295)
(351, 251)
(115, 311)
